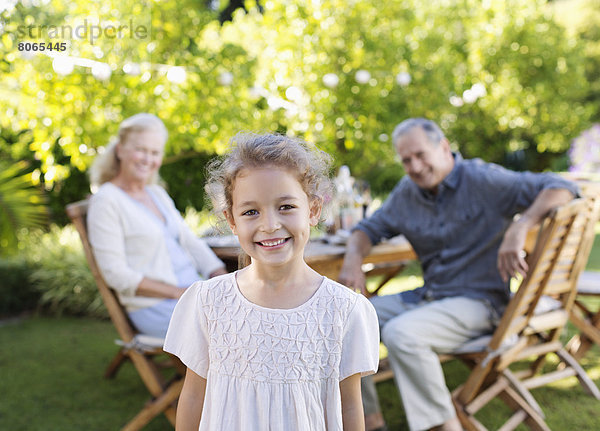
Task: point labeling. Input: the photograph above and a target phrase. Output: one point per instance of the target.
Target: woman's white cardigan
(129, 245)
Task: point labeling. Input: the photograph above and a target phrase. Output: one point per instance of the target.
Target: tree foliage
(582, 20)
(499, 76)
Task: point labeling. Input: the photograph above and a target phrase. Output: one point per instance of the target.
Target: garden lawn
(52, 378)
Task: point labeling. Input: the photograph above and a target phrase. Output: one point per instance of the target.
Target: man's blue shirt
(457, 232)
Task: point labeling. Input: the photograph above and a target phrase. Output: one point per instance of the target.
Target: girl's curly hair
(251, 150)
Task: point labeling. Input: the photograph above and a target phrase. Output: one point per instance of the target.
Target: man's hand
(511, 257)
(351, 275)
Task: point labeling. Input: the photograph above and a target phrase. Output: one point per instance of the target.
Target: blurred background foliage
(509, 81)
(21, 203)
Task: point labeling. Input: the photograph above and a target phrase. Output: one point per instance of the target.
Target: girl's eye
(250, 213)
(286, 207)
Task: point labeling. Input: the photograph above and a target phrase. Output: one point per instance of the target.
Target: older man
(458, 216)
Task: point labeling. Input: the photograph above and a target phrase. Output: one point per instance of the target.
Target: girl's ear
(230, 221)
(316, 205)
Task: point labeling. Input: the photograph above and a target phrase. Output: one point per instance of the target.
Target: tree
(581, 18)
(499, 77)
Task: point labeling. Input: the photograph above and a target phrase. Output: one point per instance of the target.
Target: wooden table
(323, 257)
(327, 258)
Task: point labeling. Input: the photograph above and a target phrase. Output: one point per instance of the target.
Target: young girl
(274, 346)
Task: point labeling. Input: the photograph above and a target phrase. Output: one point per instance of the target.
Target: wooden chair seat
(144, 352)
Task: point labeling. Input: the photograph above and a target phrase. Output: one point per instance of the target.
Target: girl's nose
(270, 222)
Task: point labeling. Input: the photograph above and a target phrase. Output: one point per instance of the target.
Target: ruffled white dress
(273, 369)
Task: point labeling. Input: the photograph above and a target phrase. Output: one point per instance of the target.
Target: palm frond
(22, 205)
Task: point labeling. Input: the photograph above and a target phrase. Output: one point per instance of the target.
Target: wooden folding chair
(522, 333)
(557, 307)
(143, 351)
(583, 316)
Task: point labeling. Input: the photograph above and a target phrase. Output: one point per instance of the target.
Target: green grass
(565, 404)
(52, 378)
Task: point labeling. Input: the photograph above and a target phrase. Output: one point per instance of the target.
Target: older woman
(143, 248)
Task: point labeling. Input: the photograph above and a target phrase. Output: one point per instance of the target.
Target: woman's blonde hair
(250, 150)
(106, 164)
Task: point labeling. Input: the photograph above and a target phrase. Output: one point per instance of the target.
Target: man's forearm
(358, 247)
(351, 275)
(546, 200)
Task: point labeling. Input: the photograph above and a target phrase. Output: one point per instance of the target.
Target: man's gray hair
(433, 131)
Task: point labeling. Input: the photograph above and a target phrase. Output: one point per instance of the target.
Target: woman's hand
(217, 272)
(158, 289)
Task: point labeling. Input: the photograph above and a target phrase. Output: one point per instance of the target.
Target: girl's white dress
(273, 369)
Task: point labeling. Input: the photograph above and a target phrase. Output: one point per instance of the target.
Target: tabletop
(324, 254)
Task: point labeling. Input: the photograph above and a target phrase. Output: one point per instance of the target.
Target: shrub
(60, 273)
(185, 178)
(15, 289)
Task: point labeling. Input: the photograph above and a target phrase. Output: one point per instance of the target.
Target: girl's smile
(273, 242)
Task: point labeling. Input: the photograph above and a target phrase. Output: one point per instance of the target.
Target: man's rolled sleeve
(386, 221)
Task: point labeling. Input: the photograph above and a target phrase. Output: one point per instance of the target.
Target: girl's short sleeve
(360, 348)
(187, 336)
